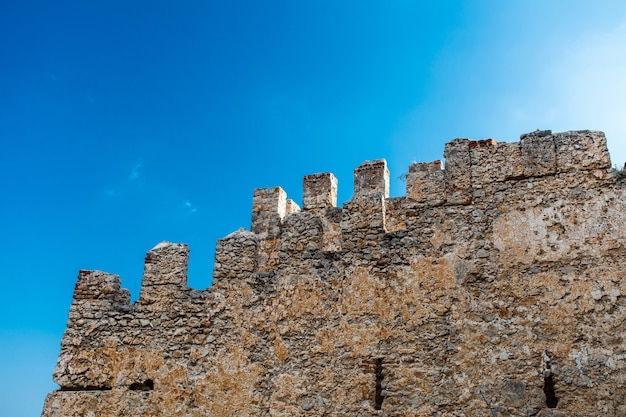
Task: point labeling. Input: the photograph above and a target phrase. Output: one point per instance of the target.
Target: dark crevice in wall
(147, 385)
(548, 390)
(379, 397)
(87, 388)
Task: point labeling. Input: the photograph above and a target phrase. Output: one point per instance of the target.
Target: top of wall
(471, 171)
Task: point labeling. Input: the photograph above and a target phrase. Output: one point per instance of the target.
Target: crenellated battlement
(280, 226)
(511, 239)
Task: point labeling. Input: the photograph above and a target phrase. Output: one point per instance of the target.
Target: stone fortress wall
(495, 287)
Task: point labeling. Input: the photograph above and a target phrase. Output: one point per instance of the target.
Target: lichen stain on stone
(228, 387)
(540, 234)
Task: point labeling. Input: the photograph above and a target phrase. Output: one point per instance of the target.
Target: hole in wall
(379, 397)
(147, 385)
(548, 390)
(548, 382)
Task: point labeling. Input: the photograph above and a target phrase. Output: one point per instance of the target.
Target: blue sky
(126, 123)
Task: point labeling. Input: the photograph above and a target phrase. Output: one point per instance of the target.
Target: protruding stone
(538, 153)
(98, 285)
(268, 208)
(581, 150)
(370, 178)
(165, 272)
(319, 191)
(236, 255)
(425, 183)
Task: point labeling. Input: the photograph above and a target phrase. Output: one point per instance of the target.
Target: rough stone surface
(319, 191)
(495, 288)
(458, 173)
(425, 183)
(371, 177)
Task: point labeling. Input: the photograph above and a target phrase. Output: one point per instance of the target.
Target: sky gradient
(123, 124)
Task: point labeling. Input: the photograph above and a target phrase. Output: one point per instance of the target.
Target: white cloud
(190, 208)
(134, 173)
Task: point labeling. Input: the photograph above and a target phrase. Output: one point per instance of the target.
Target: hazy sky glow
(124, 124)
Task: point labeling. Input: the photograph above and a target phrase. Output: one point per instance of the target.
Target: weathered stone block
(425, 183)
(165, 272)
(495, 161)
(268, 208)
(538, 153)
(236, 254)
(581, 150)
(319, 191)
(370, 178)
(98, 285)
(509, 163)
